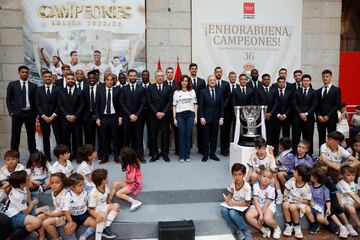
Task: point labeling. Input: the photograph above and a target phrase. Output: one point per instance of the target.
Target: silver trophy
(251, 114)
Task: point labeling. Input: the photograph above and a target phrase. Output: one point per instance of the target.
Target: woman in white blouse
(185, 115)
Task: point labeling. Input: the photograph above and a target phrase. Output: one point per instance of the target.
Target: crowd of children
(80, 198)
(324, 190)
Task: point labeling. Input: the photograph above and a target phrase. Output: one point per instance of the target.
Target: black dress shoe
(142, 160)
(104, 160)
(204, 159)
(166, 158)
(100, 157)
(214, 157)
(154, 158)
(223, 153)
(48, 158)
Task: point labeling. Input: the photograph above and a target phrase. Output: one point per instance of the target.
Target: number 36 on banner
(248, 56)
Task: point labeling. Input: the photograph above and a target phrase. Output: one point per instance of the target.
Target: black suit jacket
(266, 99)
(47, 105)
(173, 85)
(132, 103)
(200, 85)
(226, 92)
(101, 101)
(14, 97)
(241, 99)
(303, 104)
(255, 97)
(159, 102)
(282, 105)
(86, 93)
(60, 83)
(249, 84)
(209, 109)
(329, 105)
(73, 105)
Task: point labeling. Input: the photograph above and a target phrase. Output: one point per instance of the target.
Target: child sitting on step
(132, 184)
(12, 159)
(86, 154)
(263, 209)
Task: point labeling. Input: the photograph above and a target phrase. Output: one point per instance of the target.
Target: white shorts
(342, 204)
(272, 207)
(102, 208)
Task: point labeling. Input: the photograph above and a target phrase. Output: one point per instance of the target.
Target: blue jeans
(234, 218)
(185, 122)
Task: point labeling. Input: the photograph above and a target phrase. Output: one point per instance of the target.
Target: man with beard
(297, 77)
(71, 106)
(254, 83)
(47, 108)
(225, 92)
(132, 103)
(81, 81)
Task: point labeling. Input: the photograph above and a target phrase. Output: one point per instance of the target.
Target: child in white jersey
(348, 197)
(56, 217)
(237, 201)
(86, 154)
(38, 169)
(19, 206)
(297, 196)
(12, 164)
(100, 206)
(263, 208)
(76, 210)
(62, 153)
(260, 158)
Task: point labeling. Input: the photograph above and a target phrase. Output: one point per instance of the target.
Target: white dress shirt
(323, 89)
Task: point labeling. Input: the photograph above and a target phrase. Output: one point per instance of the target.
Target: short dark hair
(46, 72)
(169, 68)
(326, 71)
(65, 66)
(85, 151)
(178, 84)
(285, 142)
(218, 67)
(242, 75)
(17, 178)
(238, 167)
(254, 69)
(306, 76)
(336, 135)
(280, 78)
(75, 178)
(98, 175)
(347, 169)
(304, 172)
(60, 149)
(132, 70)
(23, 67)
(72, 52)
(320, 174)
(70, 74)
(282, 69)
(297, 71)
(265, 75)
(97, 51)
(63, 178)
(232, 73)
(144, 71)
(260, 142)
(12, 154)
(193, 65)
(305, 142)
(91, 73)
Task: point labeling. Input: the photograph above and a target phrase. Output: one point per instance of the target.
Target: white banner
(55, 28)
(241, 35)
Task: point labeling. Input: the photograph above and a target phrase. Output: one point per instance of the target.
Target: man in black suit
(146, 117)
(91, 130)
(71, 106)
(281, 113)
(81, 81)
(283, 74)
(297, 84)
(254, 83)
(266, 98)
(132, 103)
(211, 113)
(174, 133)
(108, 118)
(20, 102)
(329, 100)
(61, 82)
(47, 108)
(160, 99)
(304, 105)
(197, 84)
(225, 92)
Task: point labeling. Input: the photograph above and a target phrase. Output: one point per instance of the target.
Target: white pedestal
(240, 154)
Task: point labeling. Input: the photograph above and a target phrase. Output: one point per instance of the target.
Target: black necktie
(194, 83)
(266, 90)
(281, 93)
(108, 103)
(255, 85)
(243, 90)
(92, 99)
(48, 91)
(70, 92)
(132, 88)
(24, 94)
(325, 92)
(219, 83)
(305, 92)
(298, 86)
(213, 94)
(159, 89)
(233, 88)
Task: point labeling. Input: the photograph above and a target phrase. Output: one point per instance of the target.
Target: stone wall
(169, 37)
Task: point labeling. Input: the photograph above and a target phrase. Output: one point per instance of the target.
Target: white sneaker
(298, 233)
(277, 233)
(182, 160)
(344, 233)
(288, 230)
(351, 230)
(188, 160)
(135, 205)
(266, 232)
(279, 199)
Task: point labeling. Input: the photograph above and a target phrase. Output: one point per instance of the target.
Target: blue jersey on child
(291, 160)
(320, 195)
